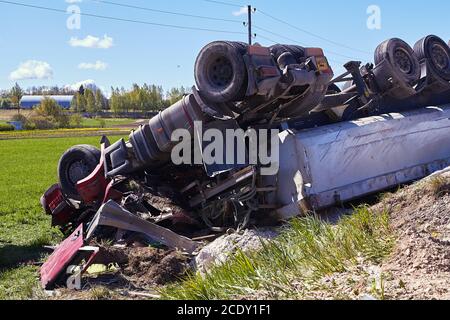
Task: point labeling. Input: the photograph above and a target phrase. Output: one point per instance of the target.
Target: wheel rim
(77, 171)
(439, 56)
(402, 60)
(220, 72)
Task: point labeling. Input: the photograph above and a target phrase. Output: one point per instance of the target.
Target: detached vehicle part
(69, 260)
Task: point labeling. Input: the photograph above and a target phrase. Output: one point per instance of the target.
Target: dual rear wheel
(407, 61)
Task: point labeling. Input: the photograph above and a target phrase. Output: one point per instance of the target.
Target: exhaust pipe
(150, 145)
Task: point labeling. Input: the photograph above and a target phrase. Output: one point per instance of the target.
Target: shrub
(76, 120)
(49, 108)
(6, 127)
(53, 113)
(40, 123)
(102, 123)
(62, 120)
(30, 126)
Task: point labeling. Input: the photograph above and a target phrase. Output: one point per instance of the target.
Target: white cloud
(98, 65)
(74, 1)
(32, 69)
(92, 42)
(240, 12)
(86, 84)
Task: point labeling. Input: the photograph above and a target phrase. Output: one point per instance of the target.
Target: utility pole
(249, 22)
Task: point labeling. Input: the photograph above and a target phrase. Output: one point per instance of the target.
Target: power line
(300, 43)
(311, 33)
(225, 3)
(121, 19)
(295, 27)
(165, 11)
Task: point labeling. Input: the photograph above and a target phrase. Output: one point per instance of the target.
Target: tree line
(143, 98)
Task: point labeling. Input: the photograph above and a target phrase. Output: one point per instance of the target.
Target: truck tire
(401, 55)
(76, 164)
(279, 49)
(286, 55)
(437, 52)
(221, 73)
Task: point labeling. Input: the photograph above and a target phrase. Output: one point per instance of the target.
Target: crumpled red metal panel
(61, 257)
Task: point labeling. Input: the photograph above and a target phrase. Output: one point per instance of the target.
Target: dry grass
(6, 115)
(439, 186)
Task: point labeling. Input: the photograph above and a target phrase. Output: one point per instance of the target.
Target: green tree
(175, 94)
(49, 108)
(52, 111)
(80, 102)
(90, 100)
(114, 101)
(16, 94)
(99, 101)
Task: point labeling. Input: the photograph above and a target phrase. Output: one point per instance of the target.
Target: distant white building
(29, 102)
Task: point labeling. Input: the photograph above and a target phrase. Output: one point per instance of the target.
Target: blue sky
(37, 45)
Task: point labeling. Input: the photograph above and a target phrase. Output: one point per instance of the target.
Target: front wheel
(76, 164)
(220, 72)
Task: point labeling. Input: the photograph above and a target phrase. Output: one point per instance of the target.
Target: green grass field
(108, 122)
(62, 133)
(27, 169)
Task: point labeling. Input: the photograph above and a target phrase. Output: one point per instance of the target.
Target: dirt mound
(149, 266)
(419, 268)
(145, 267)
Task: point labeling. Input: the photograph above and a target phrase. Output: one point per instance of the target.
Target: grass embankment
(27, 169)
(293, 264)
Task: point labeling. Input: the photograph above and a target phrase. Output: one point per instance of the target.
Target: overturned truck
(386, 125)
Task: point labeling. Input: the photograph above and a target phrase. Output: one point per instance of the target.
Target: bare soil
(6, 115)
(146, 267)
(419, 266)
